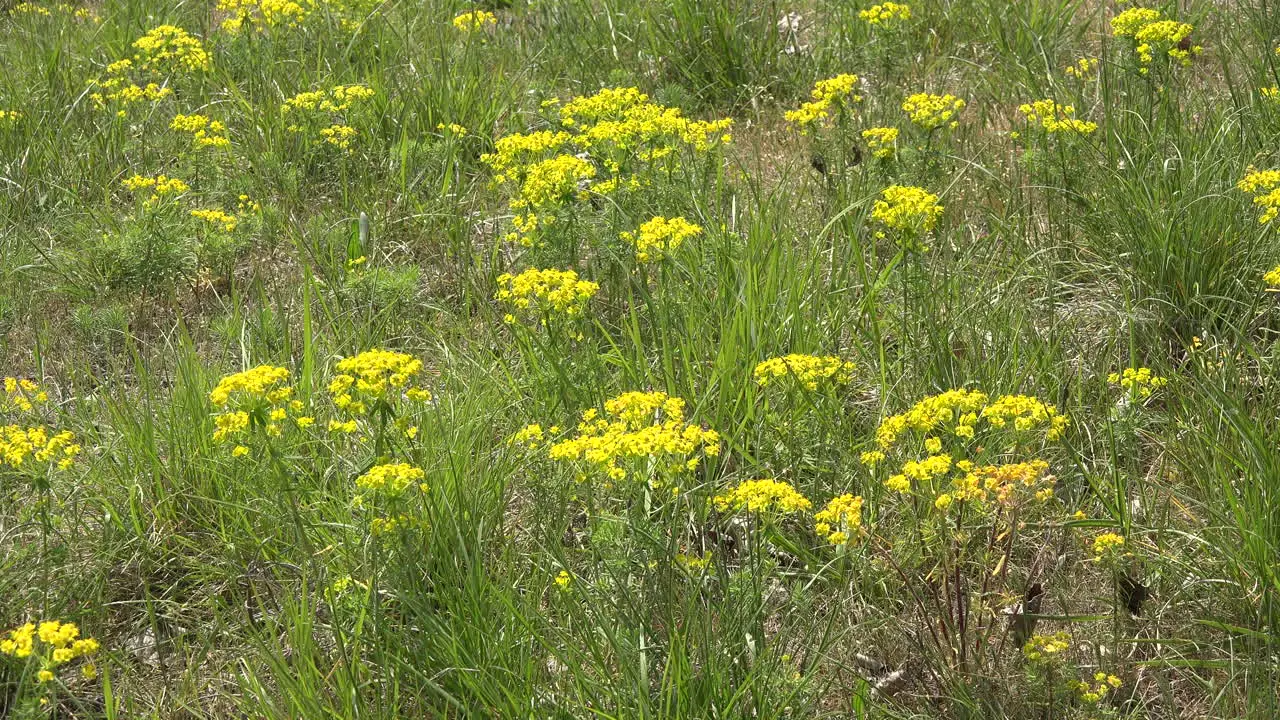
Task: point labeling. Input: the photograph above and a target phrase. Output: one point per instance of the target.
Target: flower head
(807, 370)
(840, 519)
(660, 236)
(931, 111)
(763, 496)
(474, 20)
(833, 94)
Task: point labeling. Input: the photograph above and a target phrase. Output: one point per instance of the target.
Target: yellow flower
(882, 141)
(837, 93)
(942, 502)
(474, 20)
(170, 49)
(763, 496)
(638, 425)
(1108, 547)
(910, 211)
(244, 398)
(1046, 649)
(807, 370)
(931, 111)
(660, 236)
(204, 132)
(161, 187)
(1151, 33)
(886, 13)
(1264, 185)
(1083, 68)
(391, 479)
(9, 118)
(841, 517)
(1272, 278)
(374, 377)
(226, 221)
(1055, 118)
(544, 293)
(1140, 383)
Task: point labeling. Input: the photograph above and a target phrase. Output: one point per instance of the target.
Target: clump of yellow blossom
(1027, 413)
(1083, 68)
(1140, 383)
(53, 644)
(960, 411)
(840, 520)
(915, 472)
(1271, 94)
(392, 478)
(168, 49)
(474, 20)
(1153, 35)
(762, 496)
(1096, 691)
(833, 94)
(885, 14)
(9, 118)
(1264, 186)
(22, 395)
(78, 13)
(1108, 547)
(1055, 118)
(911, 212)
(563, 580)
(532, 436)
(659, 237)
(931, 111)
(161, 186)
(1046, 649)
(37, 444)
(543, 294)
(264, 13)
(1272, 279)
(882, 141)
(258, 399)
(322, 114)
(638, 425)
(224, 220)
(807, 370)
(376, 378)
(205, 133)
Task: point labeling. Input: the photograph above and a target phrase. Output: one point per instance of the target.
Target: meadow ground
(625, 359)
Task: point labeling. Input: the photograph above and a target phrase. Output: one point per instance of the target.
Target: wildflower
(1151, 33)
(563, 579)
(204, 132)
(161, 187)
(886, 13)
(474, 20)
(265, 13)
(1140, 383)
(942, 502)
(453, 129)
(546, 293)
(168, 49)
(1026, 413)
(1096, 691)
(807, 370)
(9, 118)
(226, 221)
(1264, 185)
(254, 399)
(1009, 483)
(659, 237)
(933, 111)
(54, 643)
(882, 141)
(1083, 68)
(1055, 118)
(835, 93)
(375, 378)
(932, 413)
(530, 436)
(391, 479)
(1272, 279)
(898, 483)
(21, 395)
(340, 136)
(841, 517)
(1046, 649)
(763, 496)
(21, 447)
(1129, 22)
(871, 458)
(909, 211)
(648, 425)
(1271, 94)
(322, 114)
(1108, 547)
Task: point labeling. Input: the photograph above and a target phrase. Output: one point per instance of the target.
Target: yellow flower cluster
(1152, 33)
(266, 13)
(220, 218)
(1139, 382)
(474, 20)
(18, 444)
(1108, 546)
(934, 411)
(1272, 278)
(648, 425)
(1271, 94)
(919, 471)
(9, 117)
(1046, 649)
(260, 397)
(79, 13)
(376, 377)
(55, 643)
(886, 13)
(604, 143)
(808, 370)
(316, 113)
(204, 132)
(882, 141)
(544, 293)
(933, 111)
(161, 186)
(1055, 118)
(532, 436)
(1026, 413)
(1098, 690)
(660, 236)
(841, 518)
(1009, 483)
(908, 210)
(835, 93)
(1083, 68)
(392, 478)
(22, 395)
(762, 496)
(1264, 186)
(168, 49)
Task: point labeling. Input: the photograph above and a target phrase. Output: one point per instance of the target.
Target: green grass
(519, 585)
